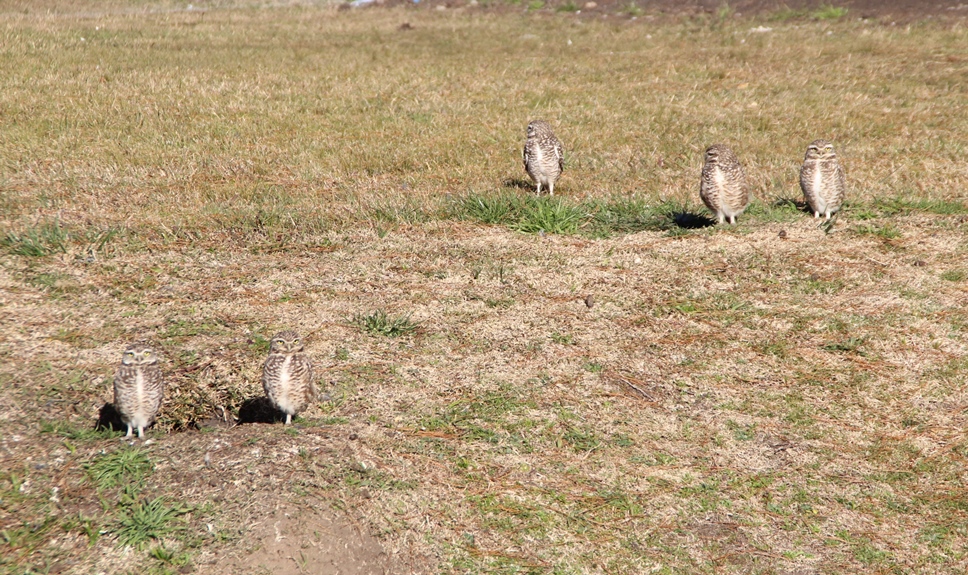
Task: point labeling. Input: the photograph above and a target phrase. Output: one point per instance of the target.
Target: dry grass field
(598, 382)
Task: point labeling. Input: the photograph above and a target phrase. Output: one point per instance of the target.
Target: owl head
(286, 342)
(536, 127)
(820, 150)
(139, 354)
(718, 152)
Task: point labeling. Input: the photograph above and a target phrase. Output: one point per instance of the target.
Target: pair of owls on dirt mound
(287, 378)
(723, 186)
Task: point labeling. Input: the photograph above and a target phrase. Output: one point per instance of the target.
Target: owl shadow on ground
(691, 220)
(519, 183)
(259, 410)
(109, 419)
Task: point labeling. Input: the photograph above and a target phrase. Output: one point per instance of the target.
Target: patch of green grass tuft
(502, 208)
(887, 231)
(380, 323)
(67, 431)
(954, 275)
(848, 345)
(148, 520)
(121, 467)
(568, 6)
(551, 216)
(829, 12)
(43, 240)
(581, 439)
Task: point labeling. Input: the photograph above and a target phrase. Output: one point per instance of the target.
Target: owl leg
(732, 220)
(129, 432)
(288, 418)
(816, 215)
(551, 188)
(722, 217)
(141, 432)
(538, 192)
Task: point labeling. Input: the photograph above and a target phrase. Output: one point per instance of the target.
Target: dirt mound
(297, 539)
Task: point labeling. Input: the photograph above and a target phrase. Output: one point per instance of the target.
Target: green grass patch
(380, 323)
(829, 12)
(43, 240)
(559, 215)
(126, 466)
(958, 275)
(148, 520)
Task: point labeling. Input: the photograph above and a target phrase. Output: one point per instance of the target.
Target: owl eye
(147, 353)
(295, 340)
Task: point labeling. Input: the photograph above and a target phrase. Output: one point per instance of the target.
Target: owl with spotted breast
(138, 388)
(287, 375)
(723, 187)
(822, 179)
(544, 156)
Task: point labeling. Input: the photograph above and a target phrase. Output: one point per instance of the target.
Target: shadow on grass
(259, 410)
(691, 220)
(109, 419)
(519, 183)
(792, 204)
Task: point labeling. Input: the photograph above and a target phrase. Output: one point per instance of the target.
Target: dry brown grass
(733, 401)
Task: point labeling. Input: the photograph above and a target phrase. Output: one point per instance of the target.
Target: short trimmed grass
(602, 381)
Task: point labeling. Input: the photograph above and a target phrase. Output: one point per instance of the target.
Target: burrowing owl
(822, 179)
(138, 388)
(287, 375)
(544, 157)
(723, 186)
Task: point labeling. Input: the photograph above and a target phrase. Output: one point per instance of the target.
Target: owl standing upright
(822, 179)
(544, 157)
(723, 186)
(138, 388)
(287, 376)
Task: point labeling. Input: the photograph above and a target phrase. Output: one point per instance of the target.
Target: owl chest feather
(719, 177)
(139, 386)
(284, 396)
(818, 182)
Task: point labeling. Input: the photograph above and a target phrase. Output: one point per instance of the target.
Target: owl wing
(313, 391)
(704, 189)
(841, 181)
(265, 376)
(560, 154)
(304, 364)
(526, 156)
(156, 383)
(744, 186)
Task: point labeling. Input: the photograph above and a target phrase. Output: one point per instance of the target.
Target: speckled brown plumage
(544, 156)
(723, 187)
(138, 388)
(822, 179)
(287, 376)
